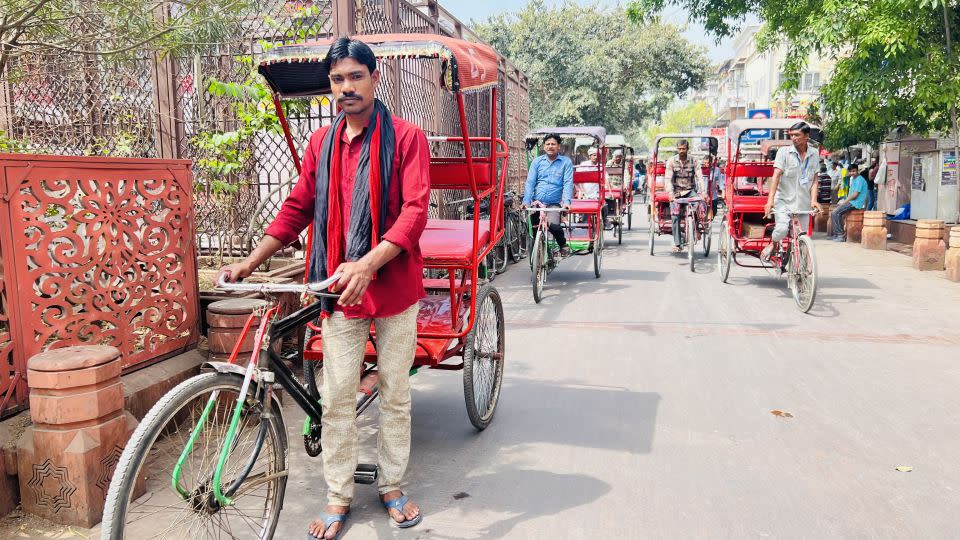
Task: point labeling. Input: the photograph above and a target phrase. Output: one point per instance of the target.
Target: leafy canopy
(593, 66)
(892, 65)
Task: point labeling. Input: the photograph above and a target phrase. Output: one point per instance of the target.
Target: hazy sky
(465, 10)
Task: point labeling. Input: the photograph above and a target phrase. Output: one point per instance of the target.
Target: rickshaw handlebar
(316, 289)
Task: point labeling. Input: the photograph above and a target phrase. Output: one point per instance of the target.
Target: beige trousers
(344, 344)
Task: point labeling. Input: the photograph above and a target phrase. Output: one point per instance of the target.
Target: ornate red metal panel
(94, 250)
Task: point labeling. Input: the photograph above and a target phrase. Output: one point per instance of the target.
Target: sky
(465, 10)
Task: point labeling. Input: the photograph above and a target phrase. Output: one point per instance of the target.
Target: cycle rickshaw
(620, 185)
(696, 225)
(586, 236)
(211, 455)
(745, 231)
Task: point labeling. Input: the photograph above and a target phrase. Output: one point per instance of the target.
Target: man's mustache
(346, 97)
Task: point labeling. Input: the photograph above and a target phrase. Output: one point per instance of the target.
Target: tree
(680, 118)
(893, 64)
(110, 27)
(593, 66)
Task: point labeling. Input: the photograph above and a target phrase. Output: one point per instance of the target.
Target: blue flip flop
(398, 504)
(328, 520)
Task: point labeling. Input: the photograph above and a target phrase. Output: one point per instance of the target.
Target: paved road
(638, 405)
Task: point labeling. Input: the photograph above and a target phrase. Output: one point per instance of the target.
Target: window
(810, 82)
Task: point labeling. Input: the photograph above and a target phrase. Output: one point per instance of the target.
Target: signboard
(916, 177)
(721, 135)
(949, 175)
(756, 135)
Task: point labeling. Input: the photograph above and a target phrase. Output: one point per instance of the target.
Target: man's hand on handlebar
(354, 280)
(235, 272)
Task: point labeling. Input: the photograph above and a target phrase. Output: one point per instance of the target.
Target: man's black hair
(853, 166)
(835, 164)
(683, 142)
(553, 136)
(350, 48)
(801, 126)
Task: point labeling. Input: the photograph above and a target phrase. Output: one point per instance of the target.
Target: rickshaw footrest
(366, 473)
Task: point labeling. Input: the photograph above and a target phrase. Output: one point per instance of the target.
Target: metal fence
(158, 107)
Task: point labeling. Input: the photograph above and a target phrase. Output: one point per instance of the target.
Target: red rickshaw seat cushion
(585, 206)
(450, 241)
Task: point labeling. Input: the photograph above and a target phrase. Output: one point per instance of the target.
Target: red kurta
(399, 283)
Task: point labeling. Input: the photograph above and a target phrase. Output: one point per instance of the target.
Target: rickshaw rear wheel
(630, 216)
(483, 357)
(620, 231)
(725, 253)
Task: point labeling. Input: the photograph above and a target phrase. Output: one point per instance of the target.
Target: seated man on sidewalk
(855, 200)
(550, 184)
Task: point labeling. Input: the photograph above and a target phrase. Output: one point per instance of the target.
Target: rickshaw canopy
(597, 132)
(298, 70)
(738, 127)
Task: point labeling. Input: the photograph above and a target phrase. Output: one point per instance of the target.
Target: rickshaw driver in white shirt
(793, 187)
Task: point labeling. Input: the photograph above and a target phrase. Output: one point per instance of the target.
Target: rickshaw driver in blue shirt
(792, 188)
(550, 184)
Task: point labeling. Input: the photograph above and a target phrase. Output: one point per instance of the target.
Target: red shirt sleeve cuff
(399, 239)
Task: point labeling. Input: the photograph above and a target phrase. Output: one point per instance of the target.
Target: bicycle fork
(265, 380)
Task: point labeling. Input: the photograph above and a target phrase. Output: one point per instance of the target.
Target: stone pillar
(953, 255)
(853, 225)
(226, 319)
(66, 459)
(874, 231)
(929, 250)
(821, 222)
(833, 208)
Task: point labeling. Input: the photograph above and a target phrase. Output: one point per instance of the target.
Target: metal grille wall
(83, 105)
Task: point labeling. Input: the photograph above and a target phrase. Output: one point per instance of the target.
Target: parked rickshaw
(211, 456)
(696, 225)
(619, 185)
(746, 231)
(585, 235)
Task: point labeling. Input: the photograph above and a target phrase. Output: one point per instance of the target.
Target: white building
(750, 79)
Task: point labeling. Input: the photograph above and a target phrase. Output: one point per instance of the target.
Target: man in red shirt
(365, 186)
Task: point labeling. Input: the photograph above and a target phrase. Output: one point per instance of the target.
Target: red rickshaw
(697, 223)
(746, 231)
(620, 181)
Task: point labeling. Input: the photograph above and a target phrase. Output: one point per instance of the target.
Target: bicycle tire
(598, 253)
(707, 239)
(483, 358)
(805, 258)
(513, 233)
(691, 237)
(725, 254)
(143, 445)
(538, 265)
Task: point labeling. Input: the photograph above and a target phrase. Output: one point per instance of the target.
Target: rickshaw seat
(452, 173)
(748, 203)
(450, 241)
(587, 177)
(585, 206)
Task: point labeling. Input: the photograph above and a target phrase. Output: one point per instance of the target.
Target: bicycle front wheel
(804, 272)
(142, 501)
(538, 263)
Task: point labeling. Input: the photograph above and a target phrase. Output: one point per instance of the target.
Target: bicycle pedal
(366, 473)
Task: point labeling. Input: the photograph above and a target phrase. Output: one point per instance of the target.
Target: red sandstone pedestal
(226, 319)
(66, 459)
(874, 234)
(853, 225)
(929, 249)
(821, 222)
(952, 260)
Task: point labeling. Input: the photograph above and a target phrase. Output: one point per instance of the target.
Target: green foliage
(11, 145)
(680, 118)
(892, 65)
(590, 65)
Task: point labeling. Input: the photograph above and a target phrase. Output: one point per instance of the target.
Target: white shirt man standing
(793, 187)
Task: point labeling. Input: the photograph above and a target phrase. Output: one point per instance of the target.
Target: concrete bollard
(65, 460)
(952, 259)
(226, 319)
(874, 234)
(929, 250)
(853, 225)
